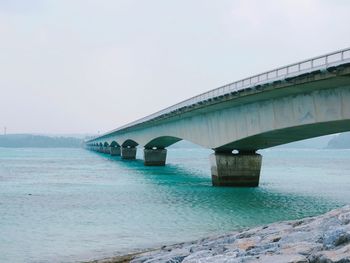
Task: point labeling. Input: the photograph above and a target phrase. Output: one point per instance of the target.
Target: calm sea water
(66, 205)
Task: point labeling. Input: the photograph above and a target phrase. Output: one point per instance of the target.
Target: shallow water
(66, 205)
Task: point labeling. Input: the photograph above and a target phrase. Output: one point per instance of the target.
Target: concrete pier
(107, 149)
(242, 169)
(115, 151)
(128, 153)
(154, 157)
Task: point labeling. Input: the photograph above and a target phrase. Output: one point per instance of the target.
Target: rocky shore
(320, 239)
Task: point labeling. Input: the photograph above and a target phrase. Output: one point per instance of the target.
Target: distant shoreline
(38, 141)
(40, 147)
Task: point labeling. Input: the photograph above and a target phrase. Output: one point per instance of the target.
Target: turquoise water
(66, 205)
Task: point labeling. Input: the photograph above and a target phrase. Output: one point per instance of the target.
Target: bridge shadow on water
(176, 185)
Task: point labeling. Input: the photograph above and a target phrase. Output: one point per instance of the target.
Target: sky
(89, 66)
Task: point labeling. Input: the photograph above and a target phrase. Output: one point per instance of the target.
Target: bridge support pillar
(107, 149)
(115, 151)
(128, 153)
(242, 169)
(154, 157)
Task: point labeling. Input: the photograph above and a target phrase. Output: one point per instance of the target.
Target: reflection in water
(64, 204)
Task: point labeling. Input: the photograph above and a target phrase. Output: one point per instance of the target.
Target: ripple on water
(70, 204)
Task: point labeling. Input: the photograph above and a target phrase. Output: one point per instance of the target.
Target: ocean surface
(68, 205)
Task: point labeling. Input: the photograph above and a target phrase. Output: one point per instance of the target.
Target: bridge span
(295, 102)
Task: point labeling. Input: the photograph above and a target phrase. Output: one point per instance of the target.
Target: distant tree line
(40, 141)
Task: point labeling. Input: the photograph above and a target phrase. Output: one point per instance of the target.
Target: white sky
(82, 66)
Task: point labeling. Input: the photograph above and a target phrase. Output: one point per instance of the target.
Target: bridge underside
(286, 135)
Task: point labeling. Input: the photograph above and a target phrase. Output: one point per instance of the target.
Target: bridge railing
(316, 63)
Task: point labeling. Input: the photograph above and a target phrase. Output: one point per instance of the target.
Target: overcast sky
(82, 66)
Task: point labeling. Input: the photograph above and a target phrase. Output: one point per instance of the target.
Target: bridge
(299, 101)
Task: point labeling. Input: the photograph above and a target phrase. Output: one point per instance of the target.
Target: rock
(302, 248)
(341, 255)
(344, 218)
(321, 239)
(335, 237)
(197, 256)
(263, 249)
(246, 243)
(281, 259)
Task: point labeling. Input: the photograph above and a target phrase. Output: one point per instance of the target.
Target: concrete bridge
(295, 102)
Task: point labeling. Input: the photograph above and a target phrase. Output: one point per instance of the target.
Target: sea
(73, 205)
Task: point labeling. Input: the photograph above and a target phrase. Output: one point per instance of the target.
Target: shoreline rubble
(320, 239)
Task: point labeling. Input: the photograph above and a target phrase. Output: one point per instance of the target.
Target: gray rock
(341, 255)
(302, 248)
(288, 258)
(344, 218)
(335, 237)
(264, 249)
(198, 255)
(321, 239)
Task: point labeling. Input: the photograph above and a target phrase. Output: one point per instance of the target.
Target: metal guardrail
(316, 63)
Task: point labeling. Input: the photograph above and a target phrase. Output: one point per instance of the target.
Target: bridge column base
(115, 151)
(229, 169)
(154, 157)
(128, 153)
